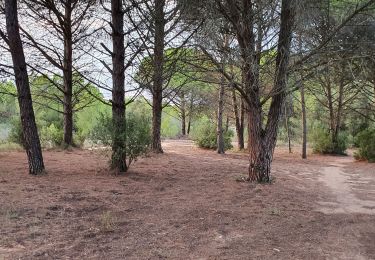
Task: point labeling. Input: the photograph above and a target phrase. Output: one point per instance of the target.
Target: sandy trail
(344, 187)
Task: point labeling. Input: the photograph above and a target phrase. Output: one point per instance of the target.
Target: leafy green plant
(15, 134)
(366, 143)
(205, 135)
(323, 143)
(51, 134)
(136, 135)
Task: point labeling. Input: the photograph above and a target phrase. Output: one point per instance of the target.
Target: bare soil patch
(184, 204)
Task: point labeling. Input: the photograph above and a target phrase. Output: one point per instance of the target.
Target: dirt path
(185, 204)
(344, 187)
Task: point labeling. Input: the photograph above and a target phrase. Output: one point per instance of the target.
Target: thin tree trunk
(118, 161)
(338, 116)
(303, 107)
(189, 125)
(227, 124)
(183, 114)
(330, 107)
(220, 110)
(157, 98)
(29, 128)
(287, 127)
(68, 77)
(237, 118)
(190, 114)
(242, 122)
(304, 125)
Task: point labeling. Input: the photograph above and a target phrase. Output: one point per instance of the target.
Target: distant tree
(57, 28)
(164, 19)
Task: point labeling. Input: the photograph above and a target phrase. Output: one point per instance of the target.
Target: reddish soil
(186, 204)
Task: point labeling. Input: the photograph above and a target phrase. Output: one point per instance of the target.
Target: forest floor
(188, 203)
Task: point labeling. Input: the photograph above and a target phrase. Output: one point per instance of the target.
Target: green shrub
(137, 136)
(205, 135)
(51, 136)
(366, 143)
(79, 137)
(322, 142)
(15, 134)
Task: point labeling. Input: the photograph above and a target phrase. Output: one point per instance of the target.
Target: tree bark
(68, 76)
(189, 125)
(157, 91)
(118, 161)
(338, 115)
(29, 128)
(304, 125)
(238, 118)
(183, 114)
(263, 141)
(227, 124)
(220, 110)
(287, 128)
(190, 114)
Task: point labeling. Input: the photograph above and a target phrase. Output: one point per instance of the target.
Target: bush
(322, 142)
(79, 138)
(137, 135)
(205, 135)
(51, 136)
(366, 143)
(15, 134)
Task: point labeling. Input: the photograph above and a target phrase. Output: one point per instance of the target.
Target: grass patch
(9, 146)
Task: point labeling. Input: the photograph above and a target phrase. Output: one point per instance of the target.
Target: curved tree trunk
(118, 161)
(29, 128)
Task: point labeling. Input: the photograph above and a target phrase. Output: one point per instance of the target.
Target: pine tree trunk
(239, 126)
(183, 122)
(29, 128)
(260, 154)
(157, 98)
(263, 141)
(287, 127)
(220, 110)
(118, 161)
(330, 108)
(183, 115)
(189, 125)
(190, 115)
(156, 124)
(338, 117)
(242, 124)
(68, 78)
(304, 126)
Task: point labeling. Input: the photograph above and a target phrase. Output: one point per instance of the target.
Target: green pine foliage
(366, 143)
